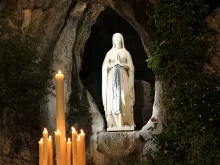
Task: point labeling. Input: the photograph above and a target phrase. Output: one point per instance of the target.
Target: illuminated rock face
(63, 28)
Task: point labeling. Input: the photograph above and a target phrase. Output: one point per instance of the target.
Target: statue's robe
(118, 88)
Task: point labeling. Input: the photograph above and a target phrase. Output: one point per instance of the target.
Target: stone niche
(120, 146)
(98, 44)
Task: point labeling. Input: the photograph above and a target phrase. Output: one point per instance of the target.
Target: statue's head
(118, 41)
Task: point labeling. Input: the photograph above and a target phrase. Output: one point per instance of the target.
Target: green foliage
(23, 81)
(179, 43)
(191, 95)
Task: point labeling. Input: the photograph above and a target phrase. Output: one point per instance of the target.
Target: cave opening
(99, 43)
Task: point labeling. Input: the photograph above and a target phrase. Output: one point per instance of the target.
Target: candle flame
(82, 132)
(45, 130)
(41, 140)
(68, 139)
(78, 137)
(59, 72)
(50, 138)
(57, 132)
(73, 129)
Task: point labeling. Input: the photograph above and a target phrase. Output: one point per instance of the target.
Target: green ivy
(191, 96)
(23, 87)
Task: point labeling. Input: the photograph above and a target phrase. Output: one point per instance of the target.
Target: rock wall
(143, 103)
(63, 27)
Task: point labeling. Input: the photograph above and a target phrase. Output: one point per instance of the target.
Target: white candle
(50, 151)
(79, 151)
(60, 113)
(74, 146)
(58, 148)
(45, 146)
(82, 139)
(41, 151)
(68, 152)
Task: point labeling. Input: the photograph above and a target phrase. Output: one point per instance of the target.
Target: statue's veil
(122, 40)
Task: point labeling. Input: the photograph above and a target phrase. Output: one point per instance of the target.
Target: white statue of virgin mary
(118, 86)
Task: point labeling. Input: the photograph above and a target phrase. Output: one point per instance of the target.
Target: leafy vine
(192, 135)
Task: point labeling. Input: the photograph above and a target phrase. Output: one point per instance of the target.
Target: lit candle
(41, 151)
(79, 150)
(50, 151)
(68, 152)
(74, 146)
(58, 148)
(45, 146)
(60, 113)
(82, 139)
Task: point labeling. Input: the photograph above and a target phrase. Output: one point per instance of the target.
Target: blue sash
(116, 90)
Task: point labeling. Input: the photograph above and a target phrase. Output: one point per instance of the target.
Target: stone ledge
(126, 128)
(119, 144)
